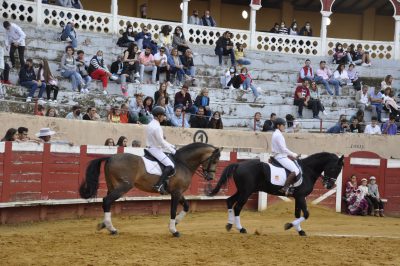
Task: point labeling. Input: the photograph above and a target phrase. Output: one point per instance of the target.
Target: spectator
(178, 120)
(283, 29)
(27, 79)
(363, 101)
(70, 3)
(239, 55)
(202, 100)
(275, 29)
(136, 144)
(4, 68)
(208, 20)
(226, 78)
(339, 56)
(307, 72)
(132, 62)
(109, 142)
(224, 46)
(51, 112)
(355, 126)
(376, 99)
(117, 70)
(373, 128)
(11, 135)
(353, 77)
(143, 40)
(39, 109)
(114, 115)
(388, 82)
(147, 63)
(75, 114)
(216, 121)
(373, 195)
(293, 30)
(165, 39)
(169, 111)
(82, 66)
(199, 120)
(99, 71)
(136, 106)
(15, 40)
(178, 40)
(341, 75)
(176, 66)
(162, 92)
(390, 127)
(194, 18)
(356, 203)
(363, 190)
(143, 10)
(69, 69)
(269, 124)
(363, 56)
(306, 30)
(45, 76)
(359, 115)
(69, 32)
(125, 116)
(128, 37)
(122, 142)
(342, 128)
(247, 83)
(188, 66)
(23, 134)
(45, 134)
(256, 124)
(391, 105)
(324, 76)
(183, 99)
(161, 61)
(302, 97)
(147, 108)
(293, 125)
(315, 103)
(91, 114)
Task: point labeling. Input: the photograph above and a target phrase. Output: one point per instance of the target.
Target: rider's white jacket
(279, 149)
(155, 137)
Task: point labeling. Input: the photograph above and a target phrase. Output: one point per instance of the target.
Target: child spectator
(44, 75)
(376, 99)
(339, 56)
(390, 127)
(146, 61)
(15, 40)
(239, 55)
(122, 142)
(11, 135)
(306, 30)
(69, 32)
(199, 120)
(177, 120)
(28, 79)
(114, 116)
(356, 203)
(117, 70)
(202, 100)
(224, 46)
(99, 71)
(176, 66)
(255, 124)
(293, 30)
(341, 75)
(109, 142)
(69, 69)
(128, 37)
(306, 72)
(315, 103)
(82, 67)
(216, 121)
(247, 83)
(161, 61)
(178, 40)
(353, 77)
(302, 97)
(324, 76)
(374, 197)
(373, 128)
(132, 63)
(283, 29)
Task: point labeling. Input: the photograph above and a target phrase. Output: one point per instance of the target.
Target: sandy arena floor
(333, 239)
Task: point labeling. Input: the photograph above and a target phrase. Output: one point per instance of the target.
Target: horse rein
(216, 153)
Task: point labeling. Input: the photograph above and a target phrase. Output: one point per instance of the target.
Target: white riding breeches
(161, 156)
(288, 164)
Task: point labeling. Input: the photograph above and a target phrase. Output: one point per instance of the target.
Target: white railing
(18, 10)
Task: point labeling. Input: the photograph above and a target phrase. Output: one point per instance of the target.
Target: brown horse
(125, 171)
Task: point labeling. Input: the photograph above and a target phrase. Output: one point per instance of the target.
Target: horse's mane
(192, 146)
(320, 155)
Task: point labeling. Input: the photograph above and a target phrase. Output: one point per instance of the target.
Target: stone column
(185, 10)
(114, 15)
(397, 38)
(253, 25)
(39, 12)
(324, 31)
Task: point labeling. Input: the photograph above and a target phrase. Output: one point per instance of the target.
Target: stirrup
(160, 188)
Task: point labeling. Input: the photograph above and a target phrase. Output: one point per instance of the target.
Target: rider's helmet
(158, 110)
(279, 121)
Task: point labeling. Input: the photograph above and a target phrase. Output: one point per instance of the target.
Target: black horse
(252, 175)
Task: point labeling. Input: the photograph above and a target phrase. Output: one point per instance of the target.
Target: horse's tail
(226, 174)
(89, 186)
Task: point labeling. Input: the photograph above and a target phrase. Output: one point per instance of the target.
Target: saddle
(275, 163)
(150, 157)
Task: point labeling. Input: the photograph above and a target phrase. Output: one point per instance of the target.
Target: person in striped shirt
(98, 70)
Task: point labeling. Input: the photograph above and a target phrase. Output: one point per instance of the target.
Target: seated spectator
(224, 46)
(51, 112)
(363, 101)
(283, 29)
(391, 105)
(143, 40)
(235, 80)
(177, 119)
(247, 83)
(360, 54)
(293, 30)
(188, 66)
(388, 82)
(183, 99)
(69, 32)
(178, 40)
(162, 92)
(165, 39)
(122, 142)
(202, 100)
(147, 63)
(114, 115)
(342, 128)
(176, 66)
(306, 30)
(136, 106)
(161, 62)
(14, 40)
(39, 109)
(4, 69)
(390, 127)
(363, 188)
(132, 62)
(199, 120)
(11, 135)
(239, 55)
(353, 77)
(69, 69)
(128, 37)
(117, 70)
(315, 103)
(376, 99)
(109, 142)
(45, 134)
(82, 66)
(374, 197)
(306, 72)
(373, 128)
(125, 117)
(23, 134)
(225, 79)
(269, 124)
(340, 55)
(169, 111)
(45, 76)
(359, 115)
(75, 114)
(28, 79)
(341, 75)
(70, 3)
(99, 71)
(356, 203)
(355, 126)
(256, 124)
(324, 76)
(91, 114)
(194, 19)
(208, 20)
(136, 144)
(216, 121)
(147, 108)
(275, 29)
(293, 125)
(302, 97)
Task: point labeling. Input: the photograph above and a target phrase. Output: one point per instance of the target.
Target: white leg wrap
(108, 223)
(296, 223)
(237, 222)
(172, 227)
(180, 216)
(231, 216)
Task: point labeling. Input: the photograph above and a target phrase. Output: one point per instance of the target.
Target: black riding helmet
(158, 110)
(279, 121)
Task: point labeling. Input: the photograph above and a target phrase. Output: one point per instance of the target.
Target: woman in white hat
(375, 197)
(45, 134)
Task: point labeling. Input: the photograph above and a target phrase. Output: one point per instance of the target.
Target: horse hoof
(243, 231)
(228, 227)
(302, 233)
(176, 234)
(101, 226)
(114, 232)
(287, 226)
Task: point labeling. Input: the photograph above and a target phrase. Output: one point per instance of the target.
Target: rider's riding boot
(291, 178)
(161, 185)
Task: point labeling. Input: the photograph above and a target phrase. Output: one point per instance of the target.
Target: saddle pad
(152, 167)
(278, 176)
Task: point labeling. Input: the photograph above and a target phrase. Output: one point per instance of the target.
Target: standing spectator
(165, 39)
(306, 30)
(132, 62)
(109, 142)
(188, 66)
(178, 40)
(15, 40)
(202, 100)
(355, 126)
(239, 55)
(69, 69)
(283, 29)
(82, 66)
(324, 76)
(199, 120)
(248, 83)
(306, 72)
(99, 71)
(376, 99)
(373, 128)
(44, 75)
(177, 119)
(114, 115)
(341, 75)
(342, 128)
(224, 46)
(363, 101)
(269, 124)
(128, 37)
(340, 55)
(11, 135)
(256, 124)
(216, 121)
(275, 29)
(184, 100)
(27, 79)
(69, 32)
(147, 63)
(390, 127)
(208, 20)
(374, 197)
(4, 67)
(143, 40)
(161, 61)
(91, 114)
(194, 18)
(23, 134)
(176, 66)
(75, 114)
(122, 142)
(117, 70)
(162, 92)
(315, 103)
(353, 77)
(302, 97)
(387, 83)
(293, 30)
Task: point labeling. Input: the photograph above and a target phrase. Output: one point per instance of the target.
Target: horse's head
(331, 172)
(209, 164)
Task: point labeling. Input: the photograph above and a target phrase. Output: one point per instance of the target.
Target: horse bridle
(205, 173)
(326, 179)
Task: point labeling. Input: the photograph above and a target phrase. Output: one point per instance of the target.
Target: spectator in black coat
(27, 79)
(225, 47)
(199, 120)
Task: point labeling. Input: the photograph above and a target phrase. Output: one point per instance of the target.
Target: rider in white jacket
(283, 155)
(157, 145)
